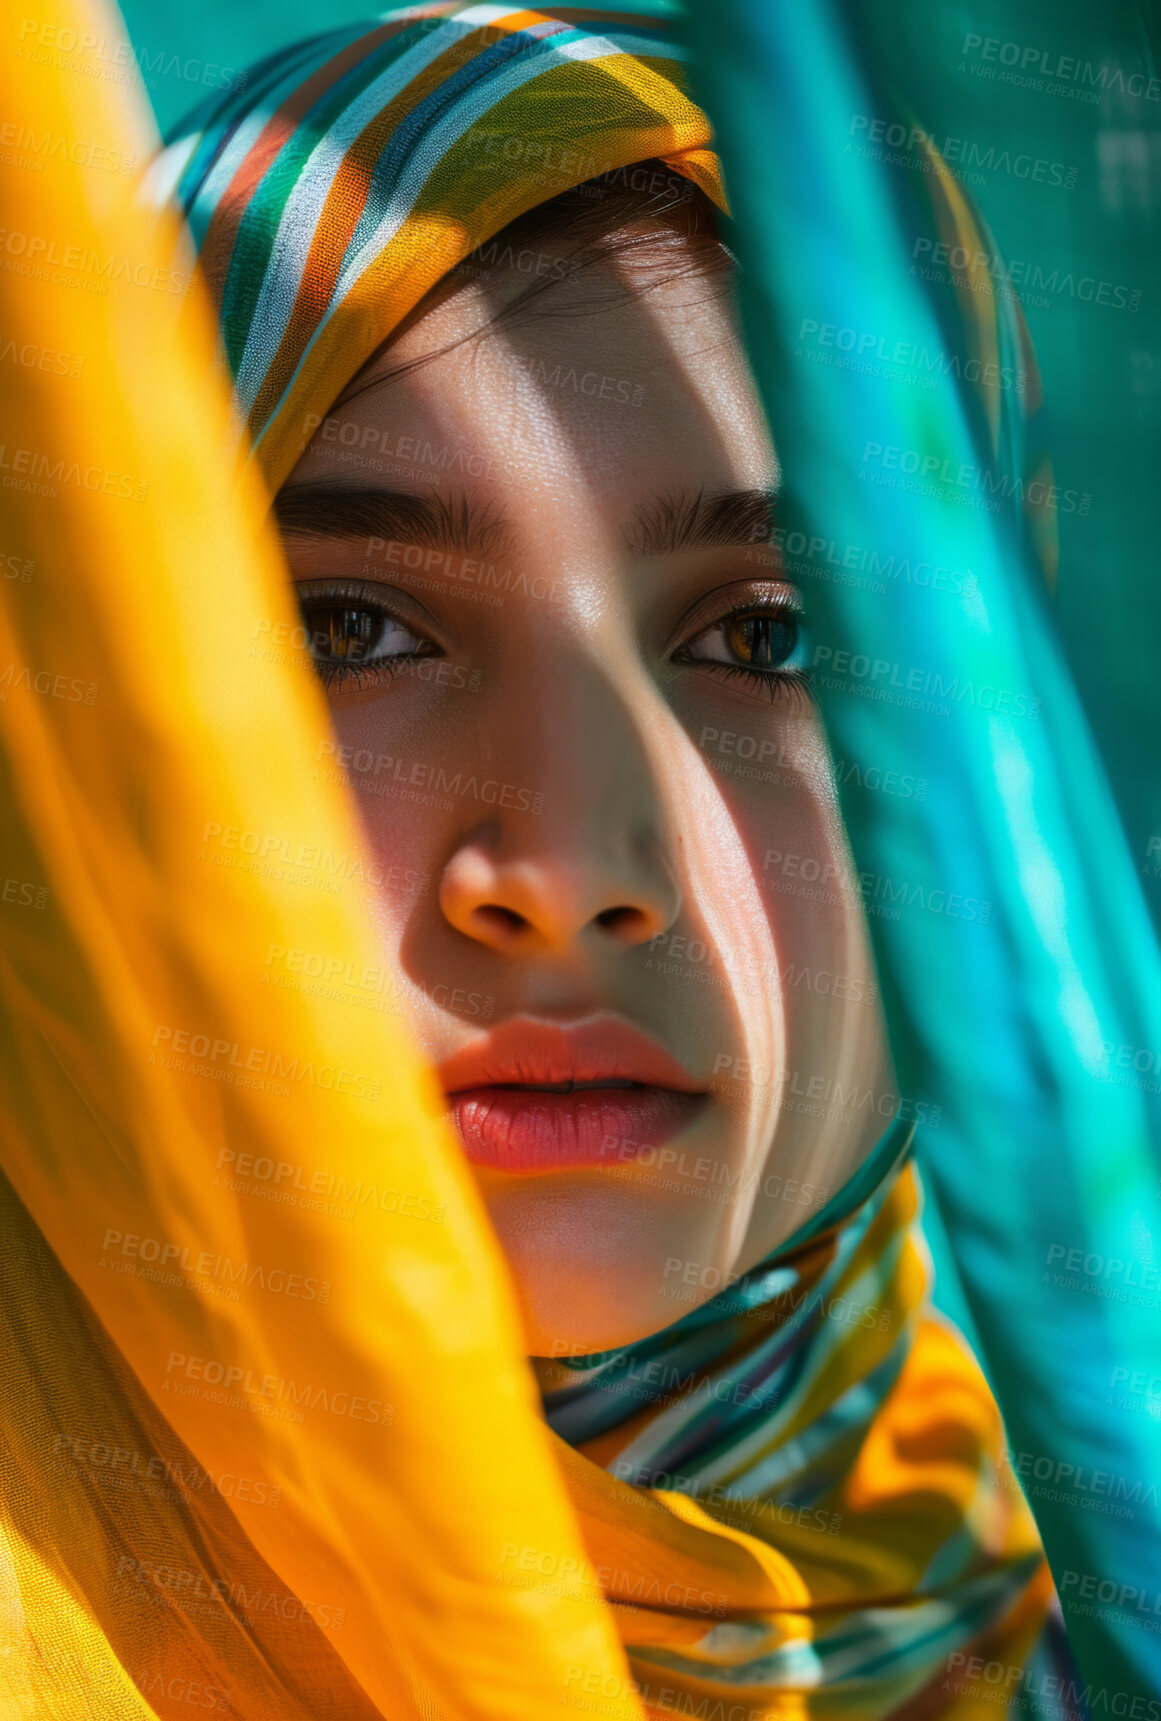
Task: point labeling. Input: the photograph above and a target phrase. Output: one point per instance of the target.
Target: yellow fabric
(149, 725)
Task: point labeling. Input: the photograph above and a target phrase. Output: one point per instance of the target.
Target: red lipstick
(545, 1096)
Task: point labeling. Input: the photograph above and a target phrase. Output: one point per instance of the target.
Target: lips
(542, 1096)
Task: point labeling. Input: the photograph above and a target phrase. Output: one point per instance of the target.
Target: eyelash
(336, 675)
(774, 683)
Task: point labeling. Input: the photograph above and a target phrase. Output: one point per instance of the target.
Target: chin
(598, 1265)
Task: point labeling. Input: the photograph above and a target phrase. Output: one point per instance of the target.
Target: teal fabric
(1042, 1162)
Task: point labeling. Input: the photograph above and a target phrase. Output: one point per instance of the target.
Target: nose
(520, 899)
(588, 872)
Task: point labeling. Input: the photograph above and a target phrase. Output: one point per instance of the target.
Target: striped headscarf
(795, 1497)
(354, 170)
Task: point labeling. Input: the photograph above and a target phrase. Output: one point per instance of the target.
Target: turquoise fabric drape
(1013, 1023)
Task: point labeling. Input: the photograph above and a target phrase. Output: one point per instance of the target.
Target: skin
(649, 783)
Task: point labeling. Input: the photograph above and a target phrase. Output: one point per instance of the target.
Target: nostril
(619, 919)
(501, 922)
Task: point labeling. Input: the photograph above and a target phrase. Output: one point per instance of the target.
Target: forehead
(604, 387)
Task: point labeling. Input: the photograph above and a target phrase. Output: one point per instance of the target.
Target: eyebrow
(330, 511)
(691, 520)
(679, 520)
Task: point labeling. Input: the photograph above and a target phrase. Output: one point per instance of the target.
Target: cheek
(393, 768)
(809, 887)
(774, 776)
(806, 904)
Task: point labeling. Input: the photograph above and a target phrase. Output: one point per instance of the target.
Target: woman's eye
(354, 636)
(358, 635)
(767, 645)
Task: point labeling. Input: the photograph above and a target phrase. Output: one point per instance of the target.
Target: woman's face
(565, 677)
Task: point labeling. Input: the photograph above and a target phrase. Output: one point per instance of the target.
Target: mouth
(539, 1096)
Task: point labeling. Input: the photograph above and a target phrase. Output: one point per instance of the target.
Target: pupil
(764, 642)
(348, 634)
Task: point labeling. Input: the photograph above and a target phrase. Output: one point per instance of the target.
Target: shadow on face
(537, 555)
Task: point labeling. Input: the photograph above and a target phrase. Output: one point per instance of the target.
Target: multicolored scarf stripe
(358, 170)
(786, 1409)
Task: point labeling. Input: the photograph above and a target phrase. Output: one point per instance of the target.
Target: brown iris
(761, 641)
(348, 634)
